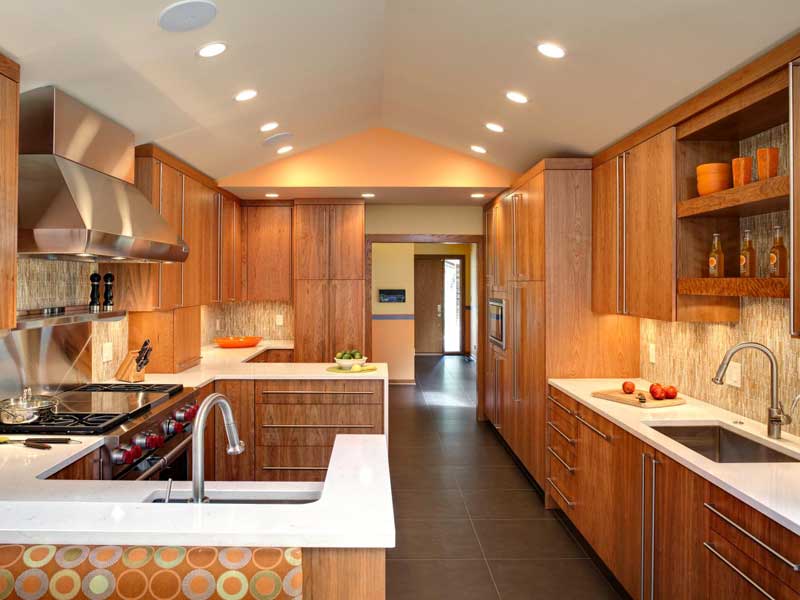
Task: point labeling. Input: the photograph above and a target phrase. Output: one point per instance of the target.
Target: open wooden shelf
(755, 198)
(764, 287)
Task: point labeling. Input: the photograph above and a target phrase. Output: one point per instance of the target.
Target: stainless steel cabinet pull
(792, 565)
(559, 405)
(642, 556)
(654, 463)
(294, 468)
(736, 570)
(593, 428)
(616, 231)
(624, 233)
(561, 433)
(569, 502)
(793, 247)
(315, 393)
(304, 426)
(561, 460)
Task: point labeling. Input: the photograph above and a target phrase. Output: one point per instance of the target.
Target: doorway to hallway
(439, 319)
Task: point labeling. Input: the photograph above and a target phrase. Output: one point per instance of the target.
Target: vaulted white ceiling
(435, 69)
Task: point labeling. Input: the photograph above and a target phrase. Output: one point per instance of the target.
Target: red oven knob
(171, 427)
(123, 455)
(148, 440)
(186, 413)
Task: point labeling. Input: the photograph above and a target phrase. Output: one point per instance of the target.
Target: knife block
(127, 369)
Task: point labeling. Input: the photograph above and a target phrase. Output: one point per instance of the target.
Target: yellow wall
(405, 219)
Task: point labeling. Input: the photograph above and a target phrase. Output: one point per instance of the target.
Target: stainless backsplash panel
(48, 360)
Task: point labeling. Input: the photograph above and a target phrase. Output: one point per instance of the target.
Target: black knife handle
(51, 440)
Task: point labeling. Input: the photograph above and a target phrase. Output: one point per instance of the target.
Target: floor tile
(439, 580)
(505, 504)
(550, 579)
(429, 504)
(536, 538)
(426, 477)
(480, 435)
(488, 478)
(435, 538)
(469, 454)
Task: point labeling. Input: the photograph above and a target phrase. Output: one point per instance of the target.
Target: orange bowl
(247, 341)
(713, 177)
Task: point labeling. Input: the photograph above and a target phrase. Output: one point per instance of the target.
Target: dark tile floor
(469, 524)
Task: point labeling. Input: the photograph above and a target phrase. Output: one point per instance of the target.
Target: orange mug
(742, 170)
(767, 162)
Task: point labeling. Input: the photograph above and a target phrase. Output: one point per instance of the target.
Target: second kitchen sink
(722, 445)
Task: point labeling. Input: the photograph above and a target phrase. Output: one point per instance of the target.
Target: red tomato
(652, 386)
(670, 392)
(657, 392)
(628, 387)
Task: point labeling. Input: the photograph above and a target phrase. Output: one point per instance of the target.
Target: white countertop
(354, 510)
(771, 488)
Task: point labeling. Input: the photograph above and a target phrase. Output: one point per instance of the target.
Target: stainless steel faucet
(235, 445)
(776, 417)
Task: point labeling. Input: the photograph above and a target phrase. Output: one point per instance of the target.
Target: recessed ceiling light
(245, 95)
(368, 195)
(212, 49)
(495, 127)
(187, 15)
(517, 97)
(271, 195)
(477, 195)
(283, 136)
(551, 50)
(285, 149)
(478, 149)
(269, 126)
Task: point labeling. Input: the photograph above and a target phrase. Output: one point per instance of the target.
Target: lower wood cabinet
(274, 355)
(91, 466)
(239, 467)
(174, 335)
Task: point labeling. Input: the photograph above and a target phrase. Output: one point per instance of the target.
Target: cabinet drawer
(323, 391)
(562, 475)
(561, 497)
(562, 447)
(314, 424)
(772, 546)
(733, 574)
(561, 424)
(595, 423)
(292, 463)
(561, 400)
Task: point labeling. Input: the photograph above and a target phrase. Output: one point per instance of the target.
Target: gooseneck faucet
(235, 445)
(776, 417)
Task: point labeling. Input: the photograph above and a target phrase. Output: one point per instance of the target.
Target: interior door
(429, 305)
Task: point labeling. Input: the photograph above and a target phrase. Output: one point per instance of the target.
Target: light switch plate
(279, 320)
(651, 353)
(108, 352)
(219, 324)
(733, 376)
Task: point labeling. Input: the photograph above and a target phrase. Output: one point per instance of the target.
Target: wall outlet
(219, 324)
(651, 353)
(733, 376)
(107, 353)
(279, 320)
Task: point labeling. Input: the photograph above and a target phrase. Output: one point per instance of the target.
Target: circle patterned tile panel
(69, 557)
(98, 584)
(65, 584)
(31, 584)
(10, 554)
(199, 584)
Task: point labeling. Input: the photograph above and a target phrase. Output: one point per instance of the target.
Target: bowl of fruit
(347, 359)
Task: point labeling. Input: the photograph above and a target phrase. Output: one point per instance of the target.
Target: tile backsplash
(45, 283)
(247, 318)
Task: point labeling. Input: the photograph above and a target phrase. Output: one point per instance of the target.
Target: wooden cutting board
(623, 398)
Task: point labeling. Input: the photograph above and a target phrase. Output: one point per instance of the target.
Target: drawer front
(562, 448)
(773, 547)
(292, 463)
(595, 423)
(560, 423)
(314, 424)
(561, 475)
(560, 496)
(558, 397)
(323, 391)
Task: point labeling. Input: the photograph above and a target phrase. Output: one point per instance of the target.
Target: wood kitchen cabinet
(89, 467)
(528, 221)
(311, 320)
(9, 159)
(311, 241)
(201, 230)
(274, 355)
(174, 334)
(496, 388)
(346, 310)
(268, 253)
(347, 241)
(239, 467)
(231, 250)
(607, 249)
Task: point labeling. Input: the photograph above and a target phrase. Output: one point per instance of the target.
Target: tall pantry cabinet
(9, 157)
(539, 261)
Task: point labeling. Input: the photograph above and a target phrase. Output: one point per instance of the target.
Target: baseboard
(402, 382)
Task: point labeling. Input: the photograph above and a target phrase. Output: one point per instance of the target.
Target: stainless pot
(26, 409)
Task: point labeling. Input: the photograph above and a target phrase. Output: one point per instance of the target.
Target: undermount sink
(222, 498)
(722, 445)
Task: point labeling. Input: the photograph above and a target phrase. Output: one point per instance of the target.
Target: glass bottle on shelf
(778, 256)
(716, 259)
(747, 256)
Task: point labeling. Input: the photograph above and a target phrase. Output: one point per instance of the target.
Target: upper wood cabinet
(268, 253)
(328, 241)
(528, 231)
(311, 320)
(347, 241)
(201, 233)
(231, 243)
(606, 243)
(9, 153)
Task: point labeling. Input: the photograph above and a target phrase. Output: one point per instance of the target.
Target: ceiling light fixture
(187, 15)
(495, 127)
(517, 97)
(285, 149)
(477, 195)
(269, 126)
(212, 49)
(478, 149)
(271, 195)
(551, 50)
(368, 195)
(246, 95)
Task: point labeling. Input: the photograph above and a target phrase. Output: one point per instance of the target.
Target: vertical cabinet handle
(617, 237)
(794, 181)
(654, 463)
(643, 555)
(183, 229)
(161, 212)
(219, 247)
(516, 309)
(625, 233)
(642, 526)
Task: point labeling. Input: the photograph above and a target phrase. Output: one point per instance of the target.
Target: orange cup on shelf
(767, 162)
(742, 170)
(713, 177)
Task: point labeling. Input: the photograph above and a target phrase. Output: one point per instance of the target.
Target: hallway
(469, 524)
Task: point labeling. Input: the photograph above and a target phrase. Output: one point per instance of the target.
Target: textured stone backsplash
(45, 283)
(247, 318)
(115, 332)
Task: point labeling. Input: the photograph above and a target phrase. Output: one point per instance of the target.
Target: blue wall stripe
(392, 317)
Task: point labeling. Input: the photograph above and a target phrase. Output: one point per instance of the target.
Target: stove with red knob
(148, 440)
(125, 455)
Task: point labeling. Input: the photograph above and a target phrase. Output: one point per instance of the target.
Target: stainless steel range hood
(76, 198)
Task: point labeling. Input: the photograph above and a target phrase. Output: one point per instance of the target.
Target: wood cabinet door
(650, 228)
(606, 241)
(311, 320)
(488, 230)
(503, 243)
(171, 284)
(311, 242)
(528, 230)
(9, 174)
(346, 314)
(347, 241)
(240, 467)
(194, 228)
(186, 337)
(210, 284)
(269, 253)
(490, 385)
(231, 244)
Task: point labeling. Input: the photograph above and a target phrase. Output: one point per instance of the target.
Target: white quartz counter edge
(354, 511)
(771, 488)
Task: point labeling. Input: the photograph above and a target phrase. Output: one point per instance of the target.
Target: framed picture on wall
(392, 296)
